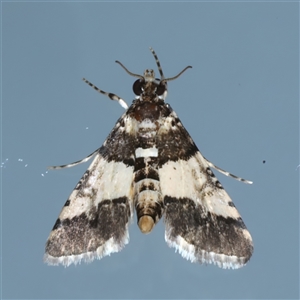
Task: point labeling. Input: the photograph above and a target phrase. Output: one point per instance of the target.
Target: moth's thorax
(148, 116)
(146, 108)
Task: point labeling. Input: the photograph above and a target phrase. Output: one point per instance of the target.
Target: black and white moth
(149, 162)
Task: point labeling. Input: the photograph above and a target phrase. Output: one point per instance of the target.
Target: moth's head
(148, 85)
(146, 88)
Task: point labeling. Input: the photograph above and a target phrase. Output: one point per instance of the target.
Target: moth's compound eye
(138, 87)
(161, 88)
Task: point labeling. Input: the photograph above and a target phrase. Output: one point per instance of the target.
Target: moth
(150, 164)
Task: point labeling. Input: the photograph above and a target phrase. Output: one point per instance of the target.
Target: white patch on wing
(130, 125)
(166, 125)
(186, 179)
(107, 180)
(149, 152)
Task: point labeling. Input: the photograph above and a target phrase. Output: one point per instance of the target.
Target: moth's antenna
(161, 71)
(127, 71)
(158, 64)
(172, 78)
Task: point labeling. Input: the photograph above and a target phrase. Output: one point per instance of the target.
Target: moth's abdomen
(148, 199)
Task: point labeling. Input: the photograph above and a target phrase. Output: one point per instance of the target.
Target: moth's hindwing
(201, 221)
(94, 221)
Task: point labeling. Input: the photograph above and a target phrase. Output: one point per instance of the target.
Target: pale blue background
(240, 103)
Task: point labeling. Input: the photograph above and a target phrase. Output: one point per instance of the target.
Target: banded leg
(74, 163)
(227, 173)
(109, 95)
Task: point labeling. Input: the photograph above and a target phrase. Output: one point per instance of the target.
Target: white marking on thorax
(149, 152)
(147, 124)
